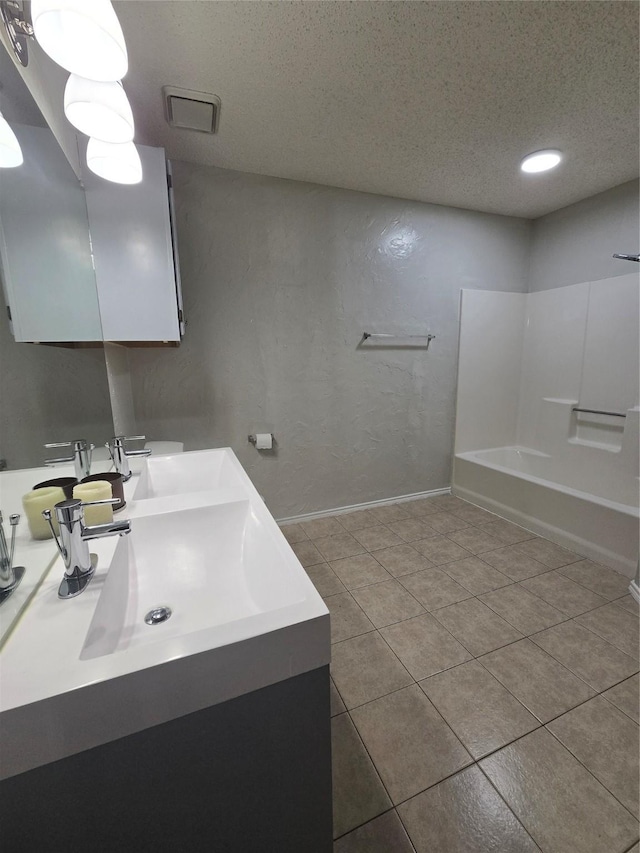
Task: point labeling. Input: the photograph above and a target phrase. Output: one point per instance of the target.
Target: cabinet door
(45, 251)
(133, 254)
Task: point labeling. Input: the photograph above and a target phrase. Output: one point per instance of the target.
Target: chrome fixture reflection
(83, 36)
(79, 564)
(80, 456)
(10, 151)
(120, 455)
(622, 257)
(10, 575)
(18, 27)
(100, 110)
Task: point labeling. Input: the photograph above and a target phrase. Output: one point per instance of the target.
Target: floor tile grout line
(582, 764)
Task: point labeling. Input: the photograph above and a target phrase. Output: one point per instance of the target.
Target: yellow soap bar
(34, 503)
(96, 490)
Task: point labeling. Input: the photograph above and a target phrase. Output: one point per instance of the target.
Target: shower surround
(526, 363)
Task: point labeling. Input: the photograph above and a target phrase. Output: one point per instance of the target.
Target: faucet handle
(113, 501)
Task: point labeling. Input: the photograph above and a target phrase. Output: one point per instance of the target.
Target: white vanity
(207, 729)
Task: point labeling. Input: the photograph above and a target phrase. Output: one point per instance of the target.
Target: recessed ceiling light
(541, 161)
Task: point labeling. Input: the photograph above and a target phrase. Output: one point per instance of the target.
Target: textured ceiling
(435, 101)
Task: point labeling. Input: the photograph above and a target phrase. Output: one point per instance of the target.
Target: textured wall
(49, 394)
(280, 280)
(576, 243)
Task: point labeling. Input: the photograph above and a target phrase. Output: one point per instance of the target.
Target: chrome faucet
(10, 575)
(79, 564)
(120, 455)
(81, 452)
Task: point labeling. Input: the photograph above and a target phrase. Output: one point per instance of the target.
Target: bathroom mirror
(47, 393)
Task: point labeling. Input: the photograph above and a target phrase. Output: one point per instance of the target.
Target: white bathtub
(589, 509)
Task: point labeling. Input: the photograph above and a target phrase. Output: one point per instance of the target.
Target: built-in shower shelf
(599, 445)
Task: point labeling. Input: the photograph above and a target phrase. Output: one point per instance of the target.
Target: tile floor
(484, 685)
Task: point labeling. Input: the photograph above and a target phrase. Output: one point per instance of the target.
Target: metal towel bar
(386, 337)
(599, 412)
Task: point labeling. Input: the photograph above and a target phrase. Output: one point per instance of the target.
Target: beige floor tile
(385, 514)
(524, 610)
(626, 697)
(320, 527)
(384, 834)
(402, 560)
(386, 603)
(325, 580)
(606, 741)
(463, 814)
(410, 744)
(337, 705)
(547, 553)
(347, 618)
(513, 564)
(475, 575)
(445, 522)
(364, 668)
(357, 520)
(338, 546)
(358, 793)
(557, 800)
(474, 514)
(483, 714)
(475, 540)
(359, 571)
(421, 508)
(600, 579)
(424, 646)
(628, 602)
(307, 553)
(434, 588)
(540, 682)
(375, 538)
(410, 529)
(506, 532)
(476, 626)
(447, 502)
(586, 654)
(614, 624)
(440, 549)
(293, 533)
(565, 595)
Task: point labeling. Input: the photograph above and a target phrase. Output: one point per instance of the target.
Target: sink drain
(158, 615)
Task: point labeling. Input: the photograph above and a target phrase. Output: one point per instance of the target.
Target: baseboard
(634, 589)
(341, 510)
(549, 531)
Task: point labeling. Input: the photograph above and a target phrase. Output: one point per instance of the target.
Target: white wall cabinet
(135, 255)
(45, 250)
(93, 265)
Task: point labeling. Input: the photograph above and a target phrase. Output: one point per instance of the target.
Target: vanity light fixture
(10, 151)
(100, 110)
(114, 162)
(541, 161)
(83, 36)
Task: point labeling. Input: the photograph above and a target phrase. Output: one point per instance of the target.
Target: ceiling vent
(191, 110)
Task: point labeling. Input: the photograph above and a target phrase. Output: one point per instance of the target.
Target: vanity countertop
(55, 701)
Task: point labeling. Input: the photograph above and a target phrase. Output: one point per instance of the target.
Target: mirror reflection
(49, 293)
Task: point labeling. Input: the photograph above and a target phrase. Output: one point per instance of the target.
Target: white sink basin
(211, 566)
(184, 473)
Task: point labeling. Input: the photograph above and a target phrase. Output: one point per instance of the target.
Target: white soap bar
(264, 441)
(34, 503)
(96, 490)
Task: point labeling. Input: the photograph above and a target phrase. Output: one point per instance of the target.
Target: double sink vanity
(181, 701)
